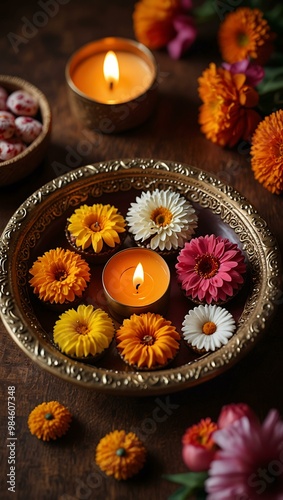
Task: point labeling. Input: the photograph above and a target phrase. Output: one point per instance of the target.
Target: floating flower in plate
(210, 269)
(207, 328)
(49, 420)
(245, 34)
(59, 276)
(147, 341)
(266, 152)
(83, 333)
(95, 231)
(120, 455)
(161, 220)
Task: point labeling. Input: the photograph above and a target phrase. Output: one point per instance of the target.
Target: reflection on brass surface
(32, 221)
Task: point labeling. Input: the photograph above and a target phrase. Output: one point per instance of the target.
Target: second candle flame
(138, 277)
(111, 69)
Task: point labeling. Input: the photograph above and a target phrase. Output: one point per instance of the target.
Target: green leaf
(183, 493)
(192, 479)
(204, 12)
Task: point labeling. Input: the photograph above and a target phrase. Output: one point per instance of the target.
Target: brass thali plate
(38, 225)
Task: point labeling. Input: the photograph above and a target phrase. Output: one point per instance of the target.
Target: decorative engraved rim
(24, 229)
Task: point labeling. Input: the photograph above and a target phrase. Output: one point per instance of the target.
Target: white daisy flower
(208, 327)
(163, 219)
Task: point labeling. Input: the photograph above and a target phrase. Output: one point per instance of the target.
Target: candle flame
(138, 277)
(111, 69)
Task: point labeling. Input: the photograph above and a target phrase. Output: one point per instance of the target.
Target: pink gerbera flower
(249, 465)
(210, 269)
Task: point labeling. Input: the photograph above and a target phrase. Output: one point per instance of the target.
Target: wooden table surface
(65, 469)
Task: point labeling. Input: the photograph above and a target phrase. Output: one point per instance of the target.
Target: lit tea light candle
(112, 84)
(136, 280)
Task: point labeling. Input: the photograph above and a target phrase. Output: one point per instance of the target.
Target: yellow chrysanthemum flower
(120, 455)
(49, 420)
(59, 276)
(147, 340)
(95, 225)
(83, 332)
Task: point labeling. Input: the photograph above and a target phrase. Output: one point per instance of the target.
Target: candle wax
(135, 77)
(119, 272)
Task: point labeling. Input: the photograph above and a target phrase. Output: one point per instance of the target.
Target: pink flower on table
(185, 36)
(254, 72)
(230, 413)
(249, 464)
(198, 445)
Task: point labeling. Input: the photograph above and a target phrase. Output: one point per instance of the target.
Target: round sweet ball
(3, 98)
(22, 103)
(27, 128)
(7, 125)
(10, 148)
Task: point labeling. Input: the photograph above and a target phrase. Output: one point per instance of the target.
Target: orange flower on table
(153, 21)
(49, 420)
(59, 276)
(227, 113)
(120, 455)
(160, 23)
(198, 445)
(267, 152)
(244, 34)
(92, 226)
(147, 340)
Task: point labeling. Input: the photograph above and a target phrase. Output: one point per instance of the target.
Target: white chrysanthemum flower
(163, 219)
(208, 327)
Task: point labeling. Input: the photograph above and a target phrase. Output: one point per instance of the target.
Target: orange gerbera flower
(226, 115)
(153, 24)
(49, 420)
(59, 276)
(120, 455)
(267, 152)
(147, 340)
(245, 34)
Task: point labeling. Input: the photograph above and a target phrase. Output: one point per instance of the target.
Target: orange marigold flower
(59, 276)
(49, 420)
(120, 455)
(226, 115)
(201, 434)
(147, 340)
(267, 152)
(244, 34)
(153, 21)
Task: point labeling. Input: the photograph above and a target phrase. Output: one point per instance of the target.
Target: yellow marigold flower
(267, 152)
(49, 420)
(245, 34)
(82, 332)
(147, 340)
(153, 24)
(59, 276)
(95, 225)
(120, 455)
(226, 115)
